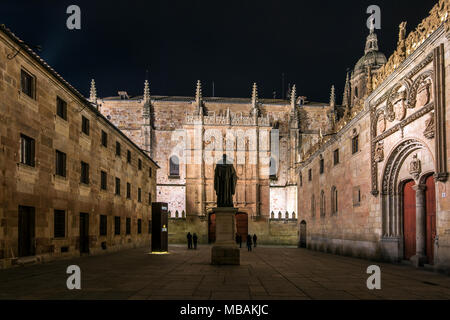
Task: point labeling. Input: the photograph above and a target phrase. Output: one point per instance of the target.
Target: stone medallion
(423, 94)
(381, 124)
(399, 106)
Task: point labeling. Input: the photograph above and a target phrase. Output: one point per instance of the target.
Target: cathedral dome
(372, 57)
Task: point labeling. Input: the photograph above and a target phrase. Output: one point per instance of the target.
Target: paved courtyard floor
(265, 273)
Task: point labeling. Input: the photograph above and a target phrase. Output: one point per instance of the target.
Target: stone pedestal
(225, 250)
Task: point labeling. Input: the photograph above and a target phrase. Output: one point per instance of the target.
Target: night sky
(233, 43)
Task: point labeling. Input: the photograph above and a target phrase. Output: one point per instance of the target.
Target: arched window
(174, 166)
(322, 203)
(313, 207)
(273, 168)
(334, 201)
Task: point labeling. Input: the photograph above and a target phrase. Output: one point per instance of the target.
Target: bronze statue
(225, 179)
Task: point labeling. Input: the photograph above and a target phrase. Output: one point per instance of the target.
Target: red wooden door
(409, 219)
(242, 224)
(212, 228)
(430, 200)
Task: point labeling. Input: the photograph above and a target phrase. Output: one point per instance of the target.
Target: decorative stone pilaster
(420, 257)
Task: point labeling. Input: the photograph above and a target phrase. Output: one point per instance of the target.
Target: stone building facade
(60, 166)
(377, 186)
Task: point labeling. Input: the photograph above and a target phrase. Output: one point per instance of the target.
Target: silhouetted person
(195, 240)
(249, 243)
(189, 239)
(254, 240)
(237, 238)
(240, 241)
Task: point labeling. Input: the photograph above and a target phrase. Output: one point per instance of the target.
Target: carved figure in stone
(423, 93)
(415, 167)
(381, 124)
(379, 151)
(429, 126)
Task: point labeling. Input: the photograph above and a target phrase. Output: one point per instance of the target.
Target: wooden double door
(409, 219)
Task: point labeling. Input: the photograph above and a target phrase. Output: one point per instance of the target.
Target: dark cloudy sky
(233, 43)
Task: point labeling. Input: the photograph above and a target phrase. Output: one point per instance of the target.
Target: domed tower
(370, 62)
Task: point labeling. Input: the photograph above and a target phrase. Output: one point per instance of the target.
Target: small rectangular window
(139, 195)
(27, 150)
(150, 198)
(103, 180)
(61, 108)
(322, 165)
(128, 226)
(104, 139)
(103, 225)
(356, 196)
(128, 156)
(118, 186)
(28, 83)
(59, 224)
(85, 125)
(84, 173)
(128, 190)
(60, 163)
(117, 226)
(301, 180)
(150, 172)
(355, 144)
(336, 156)
(309, 174)
(139, 226)
(117, 148)
(139, 164)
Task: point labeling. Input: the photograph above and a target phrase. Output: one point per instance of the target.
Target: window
(59, 225)
(103, 180)
(301, 179)
(128, 190)
(322, 204)
(139, 227)
(117, 226)
(309, 174)
(118, 186)
(27, 146)
(150, 172)
(334, 201)
(336, 156)
(61, 108)
(139, 164)
(150, 198)
(85, 125)
(27, 82)
(117, 148)
(272, 168)
(356, 196)
(139, 195)
(104, 139)
(174, 166)
(103, 225)
(128, 156)
(60, 164)
(355, 144)
(321, 164)
(128, 226)
(313, 206)
(84, 173)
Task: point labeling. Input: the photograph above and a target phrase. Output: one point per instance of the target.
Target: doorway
(430, 206)
(212, 228)
(27, 246)
(84, 232)
(409, 219)
(302, 241)
(242, 224)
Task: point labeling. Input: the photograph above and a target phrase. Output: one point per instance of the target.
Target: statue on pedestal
(225, 179)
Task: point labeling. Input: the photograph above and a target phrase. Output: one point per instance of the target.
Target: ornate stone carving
(381, 124)
(429, 126)
(420, 93)
(423, 93)
(379, 151)
(415, 167)
(399, 105)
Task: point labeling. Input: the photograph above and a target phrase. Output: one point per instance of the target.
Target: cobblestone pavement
(264, 273)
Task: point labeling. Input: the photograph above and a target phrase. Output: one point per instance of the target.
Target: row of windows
(28, 84)
(59, 225)
(334, 201)
(355, 146)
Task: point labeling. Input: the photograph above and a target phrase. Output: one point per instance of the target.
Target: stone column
(420, 258)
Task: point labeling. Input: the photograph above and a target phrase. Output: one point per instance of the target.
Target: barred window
(355, 144)
(103, 225)
(60, 163)
(103, 180)
(85, 125)
(117, 225)
(59, 224)
(118, 186)
(128, 190)
(139, 226)
(84, 173)
(104, 139)
(27, 82)
(117, 148)
(336, 156)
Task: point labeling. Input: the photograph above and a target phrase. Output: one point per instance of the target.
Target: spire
(332, 97)
(254, 95)
(293, 96)
(146, 92)
(93, 92)
(199, 98)
(346, 97)
(371, 41)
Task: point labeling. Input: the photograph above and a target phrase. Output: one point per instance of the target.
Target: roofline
(72, 89)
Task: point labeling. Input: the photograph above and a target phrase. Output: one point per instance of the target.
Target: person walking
(240, 241)
(189, 239)
(194, 237)
(254, 240)
(249, 243)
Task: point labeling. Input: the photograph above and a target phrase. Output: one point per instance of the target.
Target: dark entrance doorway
(430, 202)
(84, 232)
(409, 219)
(212, 228)
(26, 234)
(242, 224)
(302, 241)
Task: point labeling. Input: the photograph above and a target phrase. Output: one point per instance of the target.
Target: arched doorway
(409, 219)
(430, 207)
(212, 228)
(242, 224)
(302, 240)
